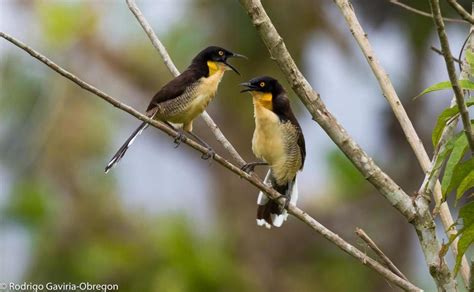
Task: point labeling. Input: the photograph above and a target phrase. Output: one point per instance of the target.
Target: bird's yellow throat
(215, 67)
(263, 99)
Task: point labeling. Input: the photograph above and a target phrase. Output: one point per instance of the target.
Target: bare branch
(439, 52)
(460, 10)
(388, 263)
(423, 13)
(351, 250)
(443, 38)
(169, 63)
(253, 179)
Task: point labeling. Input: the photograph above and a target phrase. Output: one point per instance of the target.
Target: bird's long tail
(121, 152)
(269, 213)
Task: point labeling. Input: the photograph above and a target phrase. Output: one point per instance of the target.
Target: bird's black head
(213, 56)
(263, 84)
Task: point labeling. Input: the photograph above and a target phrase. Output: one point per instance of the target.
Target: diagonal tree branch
(461, 11)
(421, 218)
(443, 39)
(252, 179)
(169, 63)
(423, 13)
(388, 263)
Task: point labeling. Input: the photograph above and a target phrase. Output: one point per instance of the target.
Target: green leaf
(466, 213)
(460, 147)
(464, 84)
(466, 239)
(466, 184)
(470, 60)
(446, 151)
(459, 173)
(443, 118)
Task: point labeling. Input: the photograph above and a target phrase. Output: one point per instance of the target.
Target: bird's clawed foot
(287, 202)
(248, 168)
(180, 138)
(209, 154)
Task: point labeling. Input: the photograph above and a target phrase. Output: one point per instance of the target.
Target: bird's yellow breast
(275, 142)
(206, 90)
(267, 142)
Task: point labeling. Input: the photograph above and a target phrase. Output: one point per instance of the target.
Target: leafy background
(164, 220)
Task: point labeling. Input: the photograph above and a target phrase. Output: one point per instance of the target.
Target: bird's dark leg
(181, 134)
(210, 152)
(249, 167)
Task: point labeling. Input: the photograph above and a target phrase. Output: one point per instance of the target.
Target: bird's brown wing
(302, 146)
(281, 107)
(174, 88)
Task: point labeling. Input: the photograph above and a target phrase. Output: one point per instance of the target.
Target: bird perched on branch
(185, 97)
(279, 142)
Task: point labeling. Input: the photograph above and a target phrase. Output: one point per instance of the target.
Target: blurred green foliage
(349, 183)
(65, 21)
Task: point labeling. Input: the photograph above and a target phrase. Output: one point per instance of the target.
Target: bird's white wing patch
(262, 198)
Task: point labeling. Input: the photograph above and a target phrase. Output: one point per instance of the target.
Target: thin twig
(169, 63)
(439, 52)
(253, 179)
(388, 263)
(443, 38)
(430, 245)
(461, 11)
(423, 13)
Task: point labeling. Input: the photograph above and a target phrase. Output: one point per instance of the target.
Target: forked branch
(448, 58)
(461, 11)
(423, 13)
(388, 263)
(410, 133)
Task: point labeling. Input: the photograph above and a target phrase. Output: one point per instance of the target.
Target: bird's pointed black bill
(249, 86)
(239, 56)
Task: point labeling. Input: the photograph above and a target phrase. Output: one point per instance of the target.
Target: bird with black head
(279, 142)
(185, 97)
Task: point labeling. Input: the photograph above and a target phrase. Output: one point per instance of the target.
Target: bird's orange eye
(262, 84)
(221, 53)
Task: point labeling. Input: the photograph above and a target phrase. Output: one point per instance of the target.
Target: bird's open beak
(249, 86)
(232, 67)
